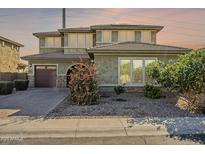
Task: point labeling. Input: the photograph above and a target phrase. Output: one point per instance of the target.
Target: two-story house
(9, 55)
(120, 52)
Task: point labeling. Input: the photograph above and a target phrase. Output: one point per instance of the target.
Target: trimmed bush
(6, 87)
(21, 84)
(119, 89)
(152, 91)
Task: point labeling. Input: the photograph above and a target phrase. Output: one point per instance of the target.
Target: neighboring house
(120, 52)
(9, 55)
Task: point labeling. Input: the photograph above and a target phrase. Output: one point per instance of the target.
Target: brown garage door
(45, 76)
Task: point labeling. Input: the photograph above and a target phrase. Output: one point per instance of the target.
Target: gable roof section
(137, 46)
(126, 27)
(55, 55)
(76, 30)
(10, 41)
(50, 33)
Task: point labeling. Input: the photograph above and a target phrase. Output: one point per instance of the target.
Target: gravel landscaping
(126, 104)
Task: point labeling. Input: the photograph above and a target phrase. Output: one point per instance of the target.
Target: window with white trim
(133, 70)
(114, 36)
(98, 36)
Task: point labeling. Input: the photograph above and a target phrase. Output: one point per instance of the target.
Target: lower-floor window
(133, 70)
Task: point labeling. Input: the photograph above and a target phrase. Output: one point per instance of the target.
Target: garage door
(45, 76)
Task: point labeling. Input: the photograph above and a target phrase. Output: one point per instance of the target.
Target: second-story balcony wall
(49, 44)
(77, 42)
(116, 36)
(52, 42)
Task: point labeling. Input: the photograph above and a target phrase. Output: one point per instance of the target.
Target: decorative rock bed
(133, 105)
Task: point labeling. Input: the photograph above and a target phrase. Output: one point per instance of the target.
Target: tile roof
(10, 41)
(136, 46)
(126, 27)
(56, 55)
(51, 33)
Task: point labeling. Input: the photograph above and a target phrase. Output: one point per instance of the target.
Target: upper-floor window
(114, 36)
(3, 44)
(138, 36)
(42, 42)
(153, 36)
(65, 40)
(53, 42)
(98, 36)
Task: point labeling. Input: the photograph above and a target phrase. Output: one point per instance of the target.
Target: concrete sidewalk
(24, 130)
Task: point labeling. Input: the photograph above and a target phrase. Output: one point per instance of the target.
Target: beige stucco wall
(48, 50)
(9, 58)
(107, 66)
(62, 65)
(126, 35)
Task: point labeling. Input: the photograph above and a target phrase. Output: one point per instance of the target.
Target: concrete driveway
(33, 102)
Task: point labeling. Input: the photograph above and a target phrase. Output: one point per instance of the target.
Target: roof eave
(44, 35)
(12, 42)
(139, 51)
(53, 58)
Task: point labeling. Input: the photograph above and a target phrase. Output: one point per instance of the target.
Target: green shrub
(119, 89)
(152, 91)
(6, 87)
(21, 84)
(184, 76)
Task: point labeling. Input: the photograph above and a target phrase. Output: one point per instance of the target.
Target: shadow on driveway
(32, 102)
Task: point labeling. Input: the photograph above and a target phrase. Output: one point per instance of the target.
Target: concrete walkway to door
(32, 102)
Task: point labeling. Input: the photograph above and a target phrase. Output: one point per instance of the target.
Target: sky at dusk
(182, 27)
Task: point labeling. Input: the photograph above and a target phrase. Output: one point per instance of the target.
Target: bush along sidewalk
(184, 76)
(21, 84)
(6, 87)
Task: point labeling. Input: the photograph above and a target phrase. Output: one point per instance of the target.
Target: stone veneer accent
(107, 69)
(31, 81)
(61, 81)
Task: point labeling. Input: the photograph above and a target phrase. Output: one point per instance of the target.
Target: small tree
(83, 84)
(185, 76)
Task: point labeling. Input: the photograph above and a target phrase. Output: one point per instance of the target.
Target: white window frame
(131, 69)
(101, 36)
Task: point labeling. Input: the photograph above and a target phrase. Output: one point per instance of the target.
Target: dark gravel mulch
(127, 104)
